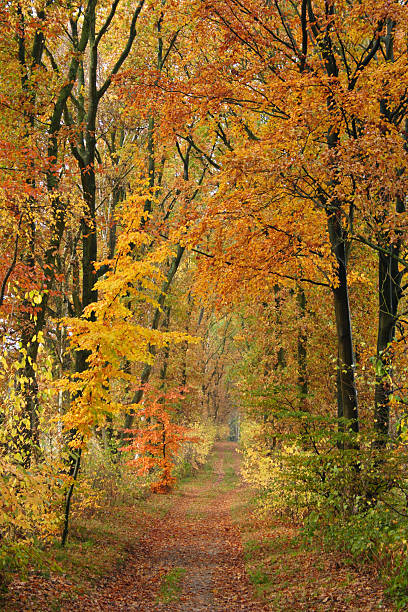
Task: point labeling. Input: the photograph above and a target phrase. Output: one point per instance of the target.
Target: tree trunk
(166, 351)
(281, 357)
(338, 240)
(389, 293)
(348, 390)
(302, 349)
(147, 370)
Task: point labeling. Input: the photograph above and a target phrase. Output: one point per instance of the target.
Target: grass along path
(200, 549)
(177, 552)
(288, 577)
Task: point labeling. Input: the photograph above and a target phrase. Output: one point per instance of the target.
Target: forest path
(186, 554)
(191, 560)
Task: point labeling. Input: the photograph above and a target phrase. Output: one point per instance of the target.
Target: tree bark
(346, 365)
(30, 338)
(389, 294)
(302, 349)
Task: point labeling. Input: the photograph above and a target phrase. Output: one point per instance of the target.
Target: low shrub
(353, 500)
(192, 455)
(30, 517)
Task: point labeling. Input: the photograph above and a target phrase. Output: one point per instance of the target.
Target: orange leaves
(158, 438)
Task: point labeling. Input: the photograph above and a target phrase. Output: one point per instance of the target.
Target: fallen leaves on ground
(195, 551)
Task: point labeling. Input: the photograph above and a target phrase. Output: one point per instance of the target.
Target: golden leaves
(111, 331)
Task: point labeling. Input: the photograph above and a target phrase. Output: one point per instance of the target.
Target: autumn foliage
(157, 441)
(205, 194)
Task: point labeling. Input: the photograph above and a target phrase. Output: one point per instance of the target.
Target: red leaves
(158, 438)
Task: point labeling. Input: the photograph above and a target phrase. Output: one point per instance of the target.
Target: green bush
(352, 499)
(377, 536)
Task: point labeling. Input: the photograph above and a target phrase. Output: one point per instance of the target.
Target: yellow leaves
(89, 499)
(196, 452)
(112, 331)
(29, 504)
(34, 297)
(358, 276)
(272, 472)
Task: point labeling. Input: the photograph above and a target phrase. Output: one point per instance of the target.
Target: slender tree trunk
(147, 370)
(302, 349)
(281, 357)
(69, 497)
(184, 348)
(118, 195)
(166, 351)
(389, 293)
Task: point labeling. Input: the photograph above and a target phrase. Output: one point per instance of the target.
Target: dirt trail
(189, 560)
(192, 558)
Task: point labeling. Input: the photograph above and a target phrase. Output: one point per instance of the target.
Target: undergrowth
(352, 501)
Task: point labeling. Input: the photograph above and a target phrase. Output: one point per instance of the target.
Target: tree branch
(125, 52)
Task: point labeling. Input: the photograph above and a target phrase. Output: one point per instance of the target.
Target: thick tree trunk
(389, 295)
(338, 238)
(86, 162)
(346, 365)
(30, 340)
(28, 438)
(85, 153)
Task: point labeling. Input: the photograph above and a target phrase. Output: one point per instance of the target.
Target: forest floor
(196, 549)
